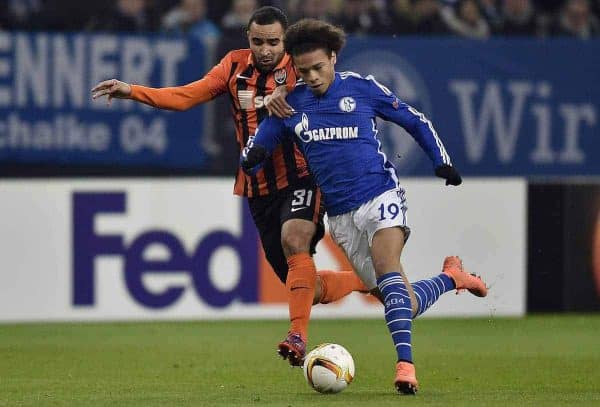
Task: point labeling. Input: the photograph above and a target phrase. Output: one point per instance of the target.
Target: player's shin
(398, 313)
(398, 316)
(300, 284)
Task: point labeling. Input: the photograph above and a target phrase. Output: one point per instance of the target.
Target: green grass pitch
(541, 360)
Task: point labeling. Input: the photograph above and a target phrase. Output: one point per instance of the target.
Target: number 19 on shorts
(388, 211)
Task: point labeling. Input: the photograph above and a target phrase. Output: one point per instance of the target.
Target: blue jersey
(337, 133)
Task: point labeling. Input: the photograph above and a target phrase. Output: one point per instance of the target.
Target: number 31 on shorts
(302, 197)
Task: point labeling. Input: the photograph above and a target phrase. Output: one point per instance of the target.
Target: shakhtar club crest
(280, 76)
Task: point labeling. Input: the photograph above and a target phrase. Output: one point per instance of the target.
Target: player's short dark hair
(268, 15)
(308, 35)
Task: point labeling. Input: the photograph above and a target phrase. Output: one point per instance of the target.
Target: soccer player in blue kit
(334, 123)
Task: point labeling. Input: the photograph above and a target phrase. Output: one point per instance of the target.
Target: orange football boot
(406, 380)
(453, 268)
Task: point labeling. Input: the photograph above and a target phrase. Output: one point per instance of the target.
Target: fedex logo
(88, 245)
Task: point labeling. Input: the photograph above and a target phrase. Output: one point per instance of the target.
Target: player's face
(266, 43)
(317, 69)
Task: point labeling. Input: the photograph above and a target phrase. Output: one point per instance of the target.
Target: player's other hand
(277, 105)
(112, 88)
(252, 158)
(449, 173)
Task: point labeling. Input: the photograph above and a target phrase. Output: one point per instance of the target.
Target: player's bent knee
(296, 236)
(298, 242)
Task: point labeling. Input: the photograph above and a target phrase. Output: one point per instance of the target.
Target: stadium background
(516, 103)
(517, 109)
(125, 213)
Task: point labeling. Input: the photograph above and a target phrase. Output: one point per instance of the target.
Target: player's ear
(333, 57)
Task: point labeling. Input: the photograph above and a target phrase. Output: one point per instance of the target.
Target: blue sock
(428, 291)
(398, 313)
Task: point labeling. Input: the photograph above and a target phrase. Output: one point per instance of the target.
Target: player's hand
(112, 88)
(277, 105)
(252, 158)
(449, 173)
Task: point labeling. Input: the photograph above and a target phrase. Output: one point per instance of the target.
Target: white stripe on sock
(399, 319)
(404, 344)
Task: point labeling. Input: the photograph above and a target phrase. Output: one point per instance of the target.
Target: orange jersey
(247, 88)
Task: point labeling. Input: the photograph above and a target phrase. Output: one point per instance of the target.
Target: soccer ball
(329, 368)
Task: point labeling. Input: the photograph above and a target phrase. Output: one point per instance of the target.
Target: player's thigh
(265, 212)
(302, 202)
(386, 248)
(355, 245)
(385, 223)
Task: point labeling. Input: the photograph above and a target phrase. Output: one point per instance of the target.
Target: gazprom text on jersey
(330, 133)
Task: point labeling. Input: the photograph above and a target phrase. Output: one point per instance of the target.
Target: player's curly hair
(308, 35)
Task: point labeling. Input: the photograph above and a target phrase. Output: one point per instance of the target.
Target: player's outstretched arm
(389, 107)
(112, 88)
(177, 98)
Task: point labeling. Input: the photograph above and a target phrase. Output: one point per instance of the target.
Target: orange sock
(301, 281)
(338, 284)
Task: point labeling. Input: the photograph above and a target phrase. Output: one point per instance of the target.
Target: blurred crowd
(212, 19)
